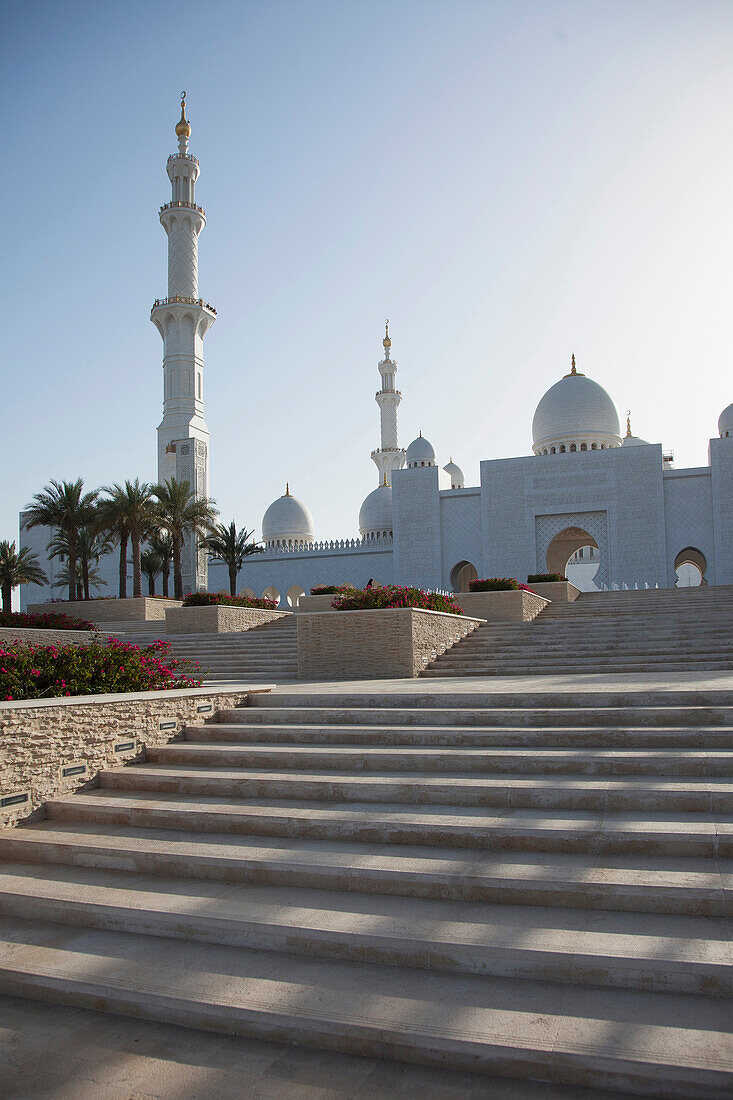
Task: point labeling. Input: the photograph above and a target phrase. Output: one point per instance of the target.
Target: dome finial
(385, 478)
(287, 488)
(572, 364)
(183, 126)
(386, 343)
(628, 424)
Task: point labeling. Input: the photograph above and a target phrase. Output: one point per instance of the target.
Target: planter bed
(141, 609)
(510, 606)
(218, 619)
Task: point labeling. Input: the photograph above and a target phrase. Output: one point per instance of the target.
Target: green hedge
(392, 595)
(44, 620)
(544, 578)
(327, 589)
(207, 599)
(44, 672)
(493, 584)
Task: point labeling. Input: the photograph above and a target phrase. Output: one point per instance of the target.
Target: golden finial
(420, 436)
(183, 126)
(628, 424)
(287, 488)
(385, 479)
(572, 364)
(386, 343)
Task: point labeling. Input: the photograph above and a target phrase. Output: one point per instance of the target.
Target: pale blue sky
(507, 182)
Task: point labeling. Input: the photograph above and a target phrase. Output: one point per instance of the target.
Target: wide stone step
(571, 792)
(640, 951)
(483, 716)
(624, 737)
(703, 835)
(430, 760)
(417, 696)
(647, 884)
(560, 669)
(542, 1030)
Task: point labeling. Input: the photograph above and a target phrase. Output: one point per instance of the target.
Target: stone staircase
(527, 884)
(652, 630)
(266, 653)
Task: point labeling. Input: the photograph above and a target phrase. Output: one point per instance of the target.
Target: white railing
(339, 545)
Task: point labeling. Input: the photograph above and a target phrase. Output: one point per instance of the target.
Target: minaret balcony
(183, 156)
(178, 300)
(388, 450)
(388, 393)
(182, 203)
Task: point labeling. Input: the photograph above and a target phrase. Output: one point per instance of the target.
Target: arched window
(573, 447)
(562, 448)
(553, 451)
(594, 446)
(584, 446)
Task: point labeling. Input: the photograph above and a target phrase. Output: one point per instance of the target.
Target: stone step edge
(399, 945)
(349, 1022)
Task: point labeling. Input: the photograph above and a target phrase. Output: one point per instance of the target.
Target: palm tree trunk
(7, 591)
(232, 580)
(151, 585)
(85, 577)
(165, 573)
(137, 577)
(73, 586)
(123, 567)
(177, 572)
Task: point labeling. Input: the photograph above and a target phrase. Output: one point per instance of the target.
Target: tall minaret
(183, 319)
(389, 456)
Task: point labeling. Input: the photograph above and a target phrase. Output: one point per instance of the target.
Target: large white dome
(725, 421)
(375, 514)
(575, 414)
(420, 452)
(287, 520)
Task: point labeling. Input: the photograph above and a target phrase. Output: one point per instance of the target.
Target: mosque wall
(416, 516)
(460, 531)
(721, 477)
(305, 569)
(688, 513)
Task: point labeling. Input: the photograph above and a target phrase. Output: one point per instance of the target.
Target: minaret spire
(183, 319)
(388, 456)
(628, 424)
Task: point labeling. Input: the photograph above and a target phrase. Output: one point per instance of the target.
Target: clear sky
(508, 182)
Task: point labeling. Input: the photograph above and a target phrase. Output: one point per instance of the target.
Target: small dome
(725, 421)
(575, 410)
(420, 452)
(375, 514)
(631, 440)
(455, 473)
(287, 520)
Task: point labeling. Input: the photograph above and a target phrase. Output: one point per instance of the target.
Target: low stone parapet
(557, 591)
(137, 610)
(386, 644)
(512, 606)
(317, 603)
(218, 619)
(36, 636)
(54, 746)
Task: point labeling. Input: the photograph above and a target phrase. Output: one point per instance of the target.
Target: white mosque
(586, 488)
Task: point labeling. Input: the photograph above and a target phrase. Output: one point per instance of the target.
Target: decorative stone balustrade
(177, 298)
(182, 202)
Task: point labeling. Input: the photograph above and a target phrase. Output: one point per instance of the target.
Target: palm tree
(92, 544)
(150, 563)
(128, 512)
(17, 567)
(162, 544)
(94, 578)
(65, 507)
(231, 546)
(180, 514)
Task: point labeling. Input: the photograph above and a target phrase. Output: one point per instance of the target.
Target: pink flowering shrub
(205, 599)
(392, 595)
(44, 620)
(46, 671)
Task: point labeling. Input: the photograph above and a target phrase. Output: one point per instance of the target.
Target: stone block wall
(218, 619)
(32, 636)
(501, 607)
(142, 609)
(39, 737)
(367, 645)
(317, 603)
(560, 591)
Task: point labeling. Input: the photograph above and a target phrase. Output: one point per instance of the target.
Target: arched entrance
(461, 574)
(569, 543)
(293, 595)
(271, 593)
(690, 566)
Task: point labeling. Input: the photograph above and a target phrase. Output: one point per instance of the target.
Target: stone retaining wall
(34, 636)
(317, 603)
(366, 645)
(559, 591)
(218, 619)
(140, 609)
(40, 737)
(513, 606)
